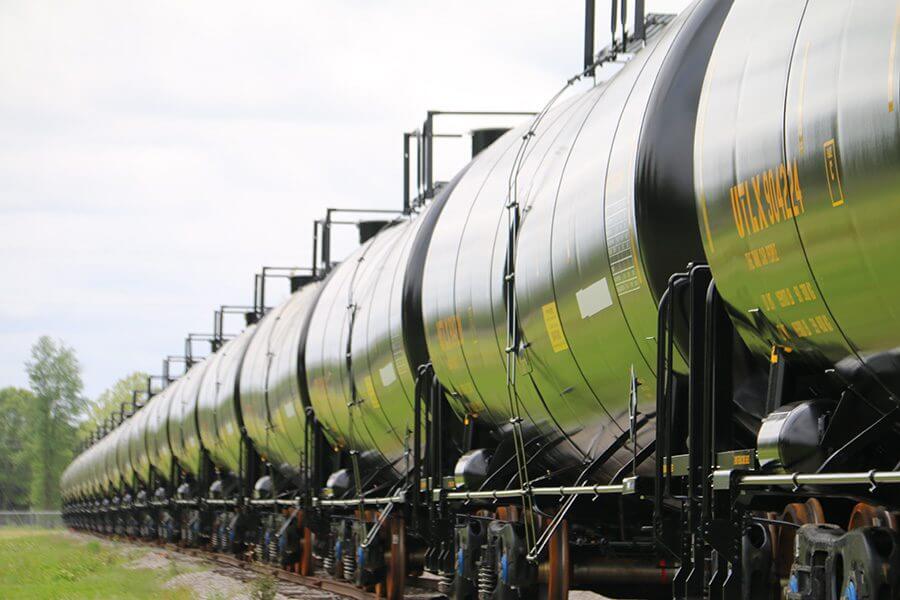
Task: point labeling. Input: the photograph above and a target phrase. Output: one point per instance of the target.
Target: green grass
(44, 564)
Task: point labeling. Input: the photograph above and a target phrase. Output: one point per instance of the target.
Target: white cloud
(154, 154)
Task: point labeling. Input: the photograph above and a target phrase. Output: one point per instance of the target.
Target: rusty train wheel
(800, 513)
(396, 571)
(868, 515)
(554, 583)
(306, 556)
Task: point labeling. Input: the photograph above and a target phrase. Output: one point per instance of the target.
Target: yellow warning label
(554, 327)
(835, 189)
(369, 389)
(741, 459)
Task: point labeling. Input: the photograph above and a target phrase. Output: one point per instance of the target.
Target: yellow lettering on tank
(804, 292)
(759, 205)
(745, 198)
(785, 185)
(762, 256)
(810, 326)
(766, 198)
(780, 202)
(449, 332)
(785, 298)
(771, 199)
(833, 173)
(796, 192)
(782, 331)
(736, 212)
(554, 327)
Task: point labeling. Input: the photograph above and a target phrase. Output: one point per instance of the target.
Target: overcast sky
(154, 154)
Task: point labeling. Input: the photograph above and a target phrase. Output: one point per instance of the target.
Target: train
(644, 344)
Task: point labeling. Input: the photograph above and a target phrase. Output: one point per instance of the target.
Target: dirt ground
(212, 581)
(206, 579)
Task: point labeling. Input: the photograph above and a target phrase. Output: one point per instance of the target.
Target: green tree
(14, 457)
(111, 400)
(55, 377)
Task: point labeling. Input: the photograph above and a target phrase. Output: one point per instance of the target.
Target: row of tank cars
(644, 343)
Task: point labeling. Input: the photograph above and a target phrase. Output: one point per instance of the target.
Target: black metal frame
(691, 519)
(322, 233)
(215, 339)
(297, 276)
(248, 312)
(703, 514)
(426, 186)
(618, 16)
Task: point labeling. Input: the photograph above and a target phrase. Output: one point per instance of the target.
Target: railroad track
(294, 585)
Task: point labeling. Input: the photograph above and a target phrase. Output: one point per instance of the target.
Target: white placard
(593, 298)
(388, 375)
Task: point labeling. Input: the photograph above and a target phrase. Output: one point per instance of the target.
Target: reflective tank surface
(140, 458)
(183, 433)
(271, 380)
(109, 474)
(218, 413)
(158, 431)
(75, 476)
(366, 403)
(590, 264)
(124, 472)
(65, 480)
(81, 476)
(98, 468)
(796, 166)
(90, 470)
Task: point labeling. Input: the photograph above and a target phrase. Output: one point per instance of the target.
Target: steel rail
(333, 586)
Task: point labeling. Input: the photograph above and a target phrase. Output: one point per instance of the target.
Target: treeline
(40, 427)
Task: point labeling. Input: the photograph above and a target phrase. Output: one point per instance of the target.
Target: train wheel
(799, 513)
(306, 555)
(396, 571)
(554, 584)
(507, 513)
(867, 515)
